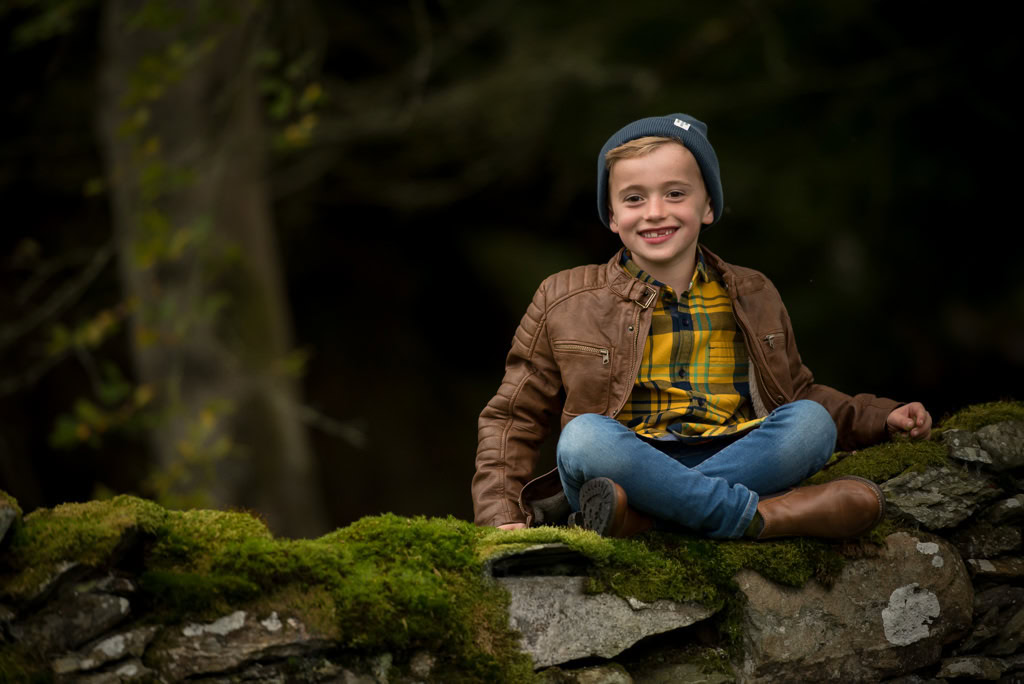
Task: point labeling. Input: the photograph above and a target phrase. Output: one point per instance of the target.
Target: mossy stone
(979, 415)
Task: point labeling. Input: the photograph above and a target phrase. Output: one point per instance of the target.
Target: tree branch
(59, 301)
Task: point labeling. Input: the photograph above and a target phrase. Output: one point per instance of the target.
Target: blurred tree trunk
(180, 120)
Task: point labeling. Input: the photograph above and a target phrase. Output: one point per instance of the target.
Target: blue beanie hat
(692, 133)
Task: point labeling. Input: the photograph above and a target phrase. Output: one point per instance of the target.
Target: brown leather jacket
(577, 350)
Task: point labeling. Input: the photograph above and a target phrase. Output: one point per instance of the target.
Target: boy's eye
(631, 198)
(676, 194)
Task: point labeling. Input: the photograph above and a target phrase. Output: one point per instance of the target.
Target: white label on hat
(682, 124)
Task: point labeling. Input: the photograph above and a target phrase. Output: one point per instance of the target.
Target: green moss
(87, 533)
(682, 567)
(9, 503)
(385, 583)
(883, 462)
(679, 567)
(9, 500)
(181, 594)
(394, 584)
(974, 417)
(16, 667)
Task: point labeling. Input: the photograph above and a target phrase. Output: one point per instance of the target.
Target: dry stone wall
(942, 599)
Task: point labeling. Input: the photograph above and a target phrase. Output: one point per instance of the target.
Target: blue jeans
(711, 487)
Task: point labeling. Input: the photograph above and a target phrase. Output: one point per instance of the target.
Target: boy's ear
(709, 214)
(612, 223)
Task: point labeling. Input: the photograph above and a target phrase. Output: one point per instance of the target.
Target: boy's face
(657, 205)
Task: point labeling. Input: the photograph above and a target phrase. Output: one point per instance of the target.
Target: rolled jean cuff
(747, 516)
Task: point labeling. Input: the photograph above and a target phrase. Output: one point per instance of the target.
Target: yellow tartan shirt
(693, 380)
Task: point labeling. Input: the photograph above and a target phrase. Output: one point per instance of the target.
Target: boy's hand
(910, 419)
(512, 526)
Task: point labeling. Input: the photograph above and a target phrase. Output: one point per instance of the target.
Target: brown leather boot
(845, 507)
(605, 511)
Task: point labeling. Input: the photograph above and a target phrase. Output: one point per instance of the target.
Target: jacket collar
(628, 287)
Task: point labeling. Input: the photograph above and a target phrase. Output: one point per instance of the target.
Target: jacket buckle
(646, 298)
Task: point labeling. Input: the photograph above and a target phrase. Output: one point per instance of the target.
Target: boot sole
(597, 504)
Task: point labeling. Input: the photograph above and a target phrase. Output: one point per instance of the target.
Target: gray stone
(6, 616)
(55, 576)
(993, 609)
(1007, 511)
(108, 649)
(964, 446)
(884, 616)
(231, 642)
(1005, 444)
(680, 658)
(421, 664)
(296, 669)
(71, 622)
(599, 674)
(999, 569)
(8, 514)
(128, 671)
(1010, 637)
(559, 623)
(1013, 664)
(108, 584)
(984, 540)
(687, 673)
(938, 497)
(974, 667)
(1003, 597)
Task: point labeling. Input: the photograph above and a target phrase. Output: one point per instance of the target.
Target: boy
(682, 397)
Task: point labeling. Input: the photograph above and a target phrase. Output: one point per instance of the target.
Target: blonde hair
(636, 148)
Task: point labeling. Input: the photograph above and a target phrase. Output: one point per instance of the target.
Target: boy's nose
(655, 208)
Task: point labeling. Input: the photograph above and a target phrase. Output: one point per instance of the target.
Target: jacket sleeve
(516, 420)
(860, 419)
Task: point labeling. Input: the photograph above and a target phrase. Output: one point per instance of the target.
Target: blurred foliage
(117, 404)
(444, 151)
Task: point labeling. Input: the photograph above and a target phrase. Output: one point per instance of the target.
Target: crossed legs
(713, 487)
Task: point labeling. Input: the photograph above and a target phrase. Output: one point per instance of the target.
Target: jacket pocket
(586, 375)
(773, 342)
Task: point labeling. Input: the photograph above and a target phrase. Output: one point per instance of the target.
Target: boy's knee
(580, 435)
(817, 423)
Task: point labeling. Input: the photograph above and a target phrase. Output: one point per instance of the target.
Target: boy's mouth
(656, 233)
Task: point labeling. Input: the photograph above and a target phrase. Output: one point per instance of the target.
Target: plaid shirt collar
(702, 269)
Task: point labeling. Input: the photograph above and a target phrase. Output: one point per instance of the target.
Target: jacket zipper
(633, 359)
(585, 348)
(770, 339)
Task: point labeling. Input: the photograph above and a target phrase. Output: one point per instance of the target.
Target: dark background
(869, 155)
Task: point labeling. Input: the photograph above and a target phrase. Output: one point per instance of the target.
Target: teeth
(657, 233)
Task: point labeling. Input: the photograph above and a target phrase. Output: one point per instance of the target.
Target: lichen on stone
(683, 567)
(383, 584)
(401, 586)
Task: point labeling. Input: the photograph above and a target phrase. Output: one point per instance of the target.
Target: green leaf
(112, 388)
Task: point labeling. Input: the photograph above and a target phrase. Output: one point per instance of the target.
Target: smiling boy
(682, 397)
